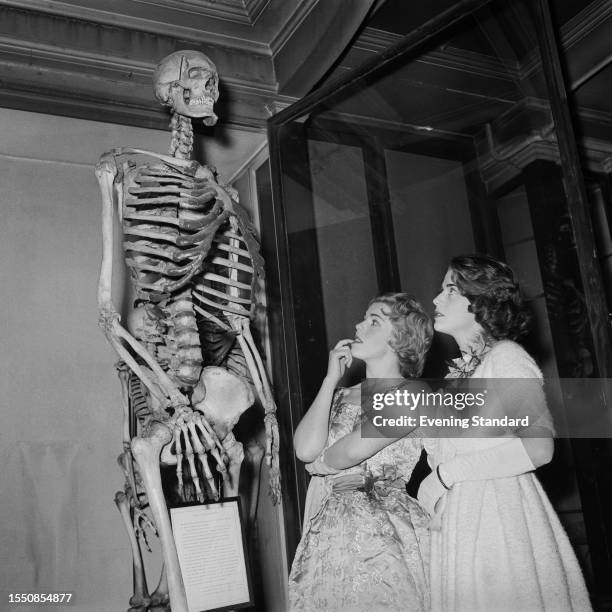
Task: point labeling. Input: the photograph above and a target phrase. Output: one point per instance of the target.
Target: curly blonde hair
(412, 330)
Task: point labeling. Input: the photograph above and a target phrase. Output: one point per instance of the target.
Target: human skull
(188, 82)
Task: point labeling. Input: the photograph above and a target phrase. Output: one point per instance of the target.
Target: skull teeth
(201, 101)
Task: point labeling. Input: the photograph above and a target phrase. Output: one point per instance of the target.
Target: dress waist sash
(350, 482)
(358, 482)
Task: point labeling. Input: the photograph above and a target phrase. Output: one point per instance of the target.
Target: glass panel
(429, 207)
(445, 145)
(387, 179)
(342, 218)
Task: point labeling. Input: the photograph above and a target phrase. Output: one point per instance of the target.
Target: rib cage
(169, 222)
(186, 243)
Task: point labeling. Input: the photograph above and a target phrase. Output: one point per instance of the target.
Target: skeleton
(195, 266)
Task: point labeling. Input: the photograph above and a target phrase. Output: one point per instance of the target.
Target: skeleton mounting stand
(195, 266)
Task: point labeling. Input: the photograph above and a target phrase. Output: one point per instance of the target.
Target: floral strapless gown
(365, 542)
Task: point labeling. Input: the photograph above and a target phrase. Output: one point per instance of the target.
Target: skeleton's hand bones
(193, 437)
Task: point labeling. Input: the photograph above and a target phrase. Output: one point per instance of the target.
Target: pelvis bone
(221, 397)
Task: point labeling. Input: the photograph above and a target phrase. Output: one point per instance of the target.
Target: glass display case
(455, 139)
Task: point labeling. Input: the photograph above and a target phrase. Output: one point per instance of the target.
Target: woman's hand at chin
(340, 358)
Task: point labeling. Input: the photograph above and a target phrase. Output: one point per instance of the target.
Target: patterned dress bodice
(394, 461)
(365, 541)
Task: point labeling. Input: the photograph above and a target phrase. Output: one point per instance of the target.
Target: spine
(188, 351)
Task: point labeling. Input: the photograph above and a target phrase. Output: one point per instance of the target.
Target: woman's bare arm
(352, 449)
(310, 436)
(366, 441)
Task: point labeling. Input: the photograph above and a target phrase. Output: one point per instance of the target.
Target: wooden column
(575, 190)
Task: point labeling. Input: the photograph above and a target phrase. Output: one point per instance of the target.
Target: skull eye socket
(197, 72)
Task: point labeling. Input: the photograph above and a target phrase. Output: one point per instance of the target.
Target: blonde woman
(365, 542)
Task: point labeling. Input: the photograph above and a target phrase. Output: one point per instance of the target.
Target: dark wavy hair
(494, 295)
(412, 330)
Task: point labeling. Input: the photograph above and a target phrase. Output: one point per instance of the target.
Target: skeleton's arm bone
(260, 380)
(126, 456)
(123, 374)
(127, 357)
(106, 173)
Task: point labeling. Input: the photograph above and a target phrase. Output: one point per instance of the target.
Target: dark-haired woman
(497, 543)
(365, 542)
